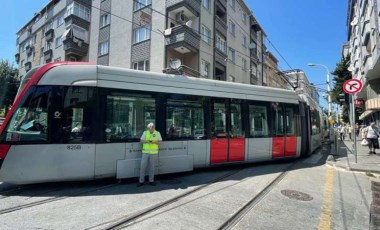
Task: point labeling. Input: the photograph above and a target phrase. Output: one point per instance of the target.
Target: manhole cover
(170, 181)
(292, 194)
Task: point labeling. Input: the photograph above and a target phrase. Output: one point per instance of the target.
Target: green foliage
(341, 74)
(8, 85)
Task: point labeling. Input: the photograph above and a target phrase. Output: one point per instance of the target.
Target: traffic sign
(352, 86)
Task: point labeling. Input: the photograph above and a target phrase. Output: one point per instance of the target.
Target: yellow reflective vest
(150, 148)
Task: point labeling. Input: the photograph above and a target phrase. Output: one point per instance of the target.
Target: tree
(8, 84)
(341, 74)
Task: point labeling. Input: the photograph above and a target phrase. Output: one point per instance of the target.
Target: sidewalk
(345, 157)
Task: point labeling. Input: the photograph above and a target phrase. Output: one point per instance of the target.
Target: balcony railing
(183, 70)
(28, 66)
(48, 55)
(183, 36)
(29, 50)
(49, 35)
(75, 46)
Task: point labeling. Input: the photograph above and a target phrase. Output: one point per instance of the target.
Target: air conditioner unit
(180, 17)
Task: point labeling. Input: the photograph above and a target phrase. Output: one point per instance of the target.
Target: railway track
(232, 221)
(49, 200)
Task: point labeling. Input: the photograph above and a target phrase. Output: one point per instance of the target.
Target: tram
(80, 121)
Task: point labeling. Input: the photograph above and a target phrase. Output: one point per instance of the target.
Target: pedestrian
(342, 132)
(372, 136)
(357, 127)
(151, 139)
(350, 131)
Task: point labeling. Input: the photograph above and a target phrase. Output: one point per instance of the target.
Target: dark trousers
(373, 143)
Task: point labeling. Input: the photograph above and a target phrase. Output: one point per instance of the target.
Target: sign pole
(352, 96)
(353, 86)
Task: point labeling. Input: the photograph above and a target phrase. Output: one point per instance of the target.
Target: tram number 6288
(74, 147)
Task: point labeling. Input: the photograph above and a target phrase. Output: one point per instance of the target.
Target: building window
(232, 3)
(231, 54)
(22, 63)
(49, 26)
(48, 45)
(105, 19)
(142, 65)
(58, 41)
(253, 47)
(244, 64)
(60, 20)
(205, 69)
(244, 17)
(231, 28)
(138, 4)
(141, 34)
(221, 44)
(103, 48)
(206, 4)
(206, 34)
(244, 40)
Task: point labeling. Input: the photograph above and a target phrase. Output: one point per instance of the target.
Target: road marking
(325, 219)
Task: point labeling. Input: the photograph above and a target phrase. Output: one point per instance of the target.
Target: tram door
(284, 141)
(227, 143)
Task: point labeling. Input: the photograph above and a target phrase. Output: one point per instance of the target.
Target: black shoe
(139, 184)
(153, 183)
(374, 152)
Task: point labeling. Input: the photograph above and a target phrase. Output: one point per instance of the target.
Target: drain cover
(170, 181)
(296, 195)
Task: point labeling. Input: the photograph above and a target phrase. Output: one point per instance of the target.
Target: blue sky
(304, 31)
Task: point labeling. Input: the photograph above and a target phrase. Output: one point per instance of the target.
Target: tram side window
(315, 121)
(258, 121)
(74, 114)
(30, 121)
(278, 119)
(290, 122)
(127, 116)
(184, 120)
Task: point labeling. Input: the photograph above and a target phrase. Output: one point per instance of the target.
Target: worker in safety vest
(151, 140)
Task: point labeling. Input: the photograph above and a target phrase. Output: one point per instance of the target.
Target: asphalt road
(302, 194)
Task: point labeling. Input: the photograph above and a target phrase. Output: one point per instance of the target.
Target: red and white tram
(77, 121)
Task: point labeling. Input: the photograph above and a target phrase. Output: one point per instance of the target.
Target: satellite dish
(354, 22)
(175, 63)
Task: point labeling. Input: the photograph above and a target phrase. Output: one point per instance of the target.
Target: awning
(66, 33)
(365, 114)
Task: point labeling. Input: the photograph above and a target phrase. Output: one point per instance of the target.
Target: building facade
(274, 77)
(214, 39)
(59, 32)
(363, 47)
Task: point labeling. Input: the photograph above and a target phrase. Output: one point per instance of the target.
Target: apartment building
(363, 47)
(300, 82)
(215, 39)
(274, 77)
(60, 31)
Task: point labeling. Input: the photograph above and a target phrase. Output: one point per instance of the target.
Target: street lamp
(328, 86)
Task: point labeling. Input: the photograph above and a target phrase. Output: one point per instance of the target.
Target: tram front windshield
(53, 114)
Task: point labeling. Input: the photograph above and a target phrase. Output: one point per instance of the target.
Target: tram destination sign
(352, 86)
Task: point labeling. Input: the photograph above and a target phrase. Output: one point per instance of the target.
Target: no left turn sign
(352, 86)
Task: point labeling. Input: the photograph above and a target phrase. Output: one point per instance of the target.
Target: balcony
(28, 66)
(193, 5)
(29, 50)
(74, 46)
(49, 35)
(48, 55)
(183, 70)
(73, 19)
(220, 25)
(17, 57)
(182, 39)
(222, 3)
